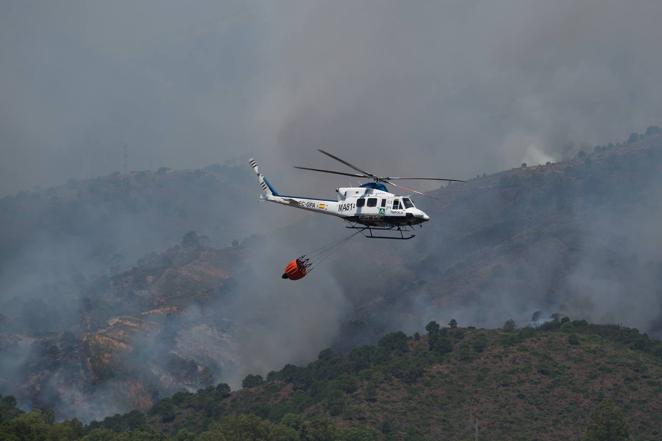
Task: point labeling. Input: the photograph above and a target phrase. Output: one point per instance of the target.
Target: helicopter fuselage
(369, 205)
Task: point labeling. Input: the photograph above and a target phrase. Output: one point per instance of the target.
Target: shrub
(249, 427)
(480, 343)
(407, 370)
(357, 434)
(526, 332)
(371, 392)
(607, 423)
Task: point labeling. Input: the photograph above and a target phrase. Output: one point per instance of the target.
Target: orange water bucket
(294, 270)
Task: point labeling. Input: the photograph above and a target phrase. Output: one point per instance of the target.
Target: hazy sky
(432, 87)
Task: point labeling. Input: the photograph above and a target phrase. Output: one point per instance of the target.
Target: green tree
(293, 421)
(165, 409)
(319, 429)
(191, 240)
(440, 344)
(652, 130)
(66, 431)
(432, 328)
(326, 354)
(223, 390)
(252, 381)
(452, 324)
(31, 426)
(357, 434)
(395, 342)
(100, 435)
(371, 392)
(211, 435)
(607, 423)
(8, 409)
(249, 428)
(335, 402)
(509, 325)
(185, 435)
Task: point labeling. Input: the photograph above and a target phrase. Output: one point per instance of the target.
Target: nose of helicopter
(422, 216)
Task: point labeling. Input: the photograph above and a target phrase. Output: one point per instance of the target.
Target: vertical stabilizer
(265, 185)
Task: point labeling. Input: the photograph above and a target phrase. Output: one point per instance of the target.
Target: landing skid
(402, 235)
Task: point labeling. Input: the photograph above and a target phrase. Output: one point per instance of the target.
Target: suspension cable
(319, 255)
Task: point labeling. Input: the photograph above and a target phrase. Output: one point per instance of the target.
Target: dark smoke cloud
(174, 82)
(458, 88)
(453, 87)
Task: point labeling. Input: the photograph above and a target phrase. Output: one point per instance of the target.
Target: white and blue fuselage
(371, 204)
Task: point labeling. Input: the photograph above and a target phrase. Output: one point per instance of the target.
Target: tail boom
(269, 193)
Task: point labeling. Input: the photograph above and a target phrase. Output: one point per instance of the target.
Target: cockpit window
(408, 203)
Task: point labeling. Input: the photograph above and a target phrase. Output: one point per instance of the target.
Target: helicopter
(369, 208)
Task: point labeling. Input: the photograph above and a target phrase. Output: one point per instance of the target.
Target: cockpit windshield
(408, 203)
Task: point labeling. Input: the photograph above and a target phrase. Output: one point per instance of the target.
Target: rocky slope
(138, 337)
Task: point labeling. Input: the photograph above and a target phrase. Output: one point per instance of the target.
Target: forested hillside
(562, 380)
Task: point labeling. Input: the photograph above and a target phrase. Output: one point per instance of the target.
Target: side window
(383, 203)
(372, 202)
(360, 202)
(396, 204)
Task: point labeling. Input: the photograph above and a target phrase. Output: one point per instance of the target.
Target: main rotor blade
(354, 175)
(346, 163)
(424, 179)
(410, 189)
(406, 188)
